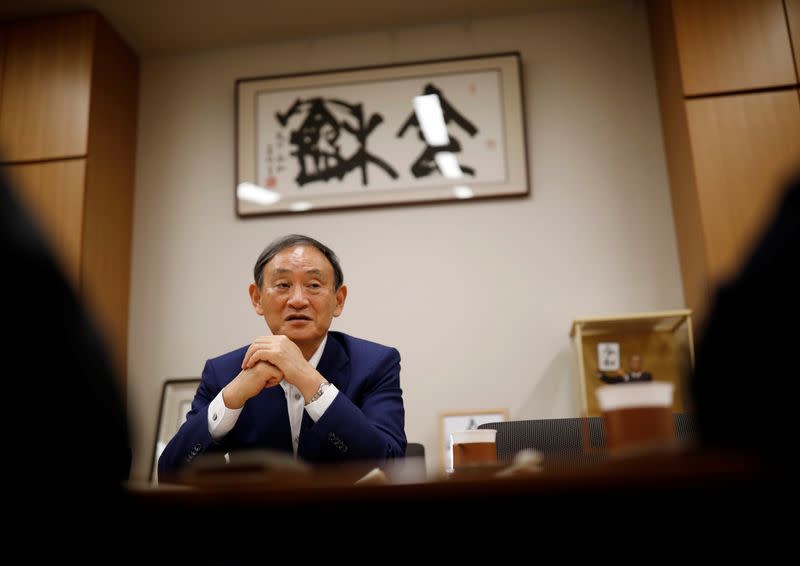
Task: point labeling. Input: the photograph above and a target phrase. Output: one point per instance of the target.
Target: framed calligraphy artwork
(406, 133)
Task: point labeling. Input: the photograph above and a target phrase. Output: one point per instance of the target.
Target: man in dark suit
(321, 395)
(634, 375)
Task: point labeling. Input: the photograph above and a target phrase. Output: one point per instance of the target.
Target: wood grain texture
(3, 32)
(53, 192)
(793, 18)
(108, 224)
(743, 146)
(44, 106)
(680, 164)
(652, 321)
(730, 45)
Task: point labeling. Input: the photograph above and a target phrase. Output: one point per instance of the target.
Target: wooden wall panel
(44, 104)
(793, 17)
(685, 204)
(743, 147)
(108, 221)
(53, 192)
(68, 117)
(3, 32)
(729, 45)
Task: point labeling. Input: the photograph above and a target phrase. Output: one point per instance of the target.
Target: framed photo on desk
(463, 420)
(176, 402)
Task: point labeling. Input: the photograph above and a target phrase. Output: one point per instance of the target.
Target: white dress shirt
(221, 419)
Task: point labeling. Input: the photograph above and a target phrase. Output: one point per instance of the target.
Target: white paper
(608, 356)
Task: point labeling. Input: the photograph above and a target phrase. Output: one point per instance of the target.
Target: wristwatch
(322, 387)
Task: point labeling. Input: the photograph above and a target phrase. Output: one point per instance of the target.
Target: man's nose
(298, 297)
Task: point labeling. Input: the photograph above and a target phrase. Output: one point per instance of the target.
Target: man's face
(297, 298)
(636, 363)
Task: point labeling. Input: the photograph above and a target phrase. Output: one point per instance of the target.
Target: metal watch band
(322, 387)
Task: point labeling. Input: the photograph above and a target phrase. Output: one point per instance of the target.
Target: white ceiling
(154, 27)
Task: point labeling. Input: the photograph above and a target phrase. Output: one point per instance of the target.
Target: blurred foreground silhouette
(66, 436)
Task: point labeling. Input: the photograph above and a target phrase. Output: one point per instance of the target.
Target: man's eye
(314, 285)
(282, 285)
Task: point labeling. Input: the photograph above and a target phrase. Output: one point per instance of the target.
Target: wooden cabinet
(742, 147)
(732, 45)
(54, 192)
(793, 18)
(2, 61)
(68, 110)
(44, 109)
(727, 87)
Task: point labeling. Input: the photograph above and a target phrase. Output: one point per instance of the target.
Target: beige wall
(477, 296)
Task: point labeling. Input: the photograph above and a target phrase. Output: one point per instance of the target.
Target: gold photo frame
(663, 340)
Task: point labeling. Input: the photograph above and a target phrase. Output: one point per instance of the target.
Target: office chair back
(566, 436)
(549, 436)
(415, 450)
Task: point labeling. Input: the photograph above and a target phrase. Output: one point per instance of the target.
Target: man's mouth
(292, 317)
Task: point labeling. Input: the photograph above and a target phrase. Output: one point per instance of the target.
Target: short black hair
(296, 240)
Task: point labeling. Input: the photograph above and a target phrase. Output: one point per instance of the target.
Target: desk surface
(684, 500)
(668, 472)
(690, 493)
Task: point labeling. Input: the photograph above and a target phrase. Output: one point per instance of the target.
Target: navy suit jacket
(365, 421)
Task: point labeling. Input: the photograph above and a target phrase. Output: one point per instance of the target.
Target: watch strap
(322, 387)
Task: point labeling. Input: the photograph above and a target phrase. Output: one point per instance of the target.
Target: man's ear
(255, 298)
(341, 295)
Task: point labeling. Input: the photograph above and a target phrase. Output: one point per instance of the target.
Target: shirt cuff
(316, 409)
(221, 419)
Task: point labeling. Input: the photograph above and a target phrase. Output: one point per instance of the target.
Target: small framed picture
(467, 420)
(176, 402)
(608, 356)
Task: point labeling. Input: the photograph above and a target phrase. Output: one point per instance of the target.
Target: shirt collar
(318, 354)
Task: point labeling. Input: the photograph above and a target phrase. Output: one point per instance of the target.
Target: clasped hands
(268, 361)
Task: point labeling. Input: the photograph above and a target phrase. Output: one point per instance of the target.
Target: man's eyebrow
(312, 271)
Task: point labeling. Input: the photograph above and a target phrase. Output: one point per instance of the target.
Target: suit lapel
(333, 361)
